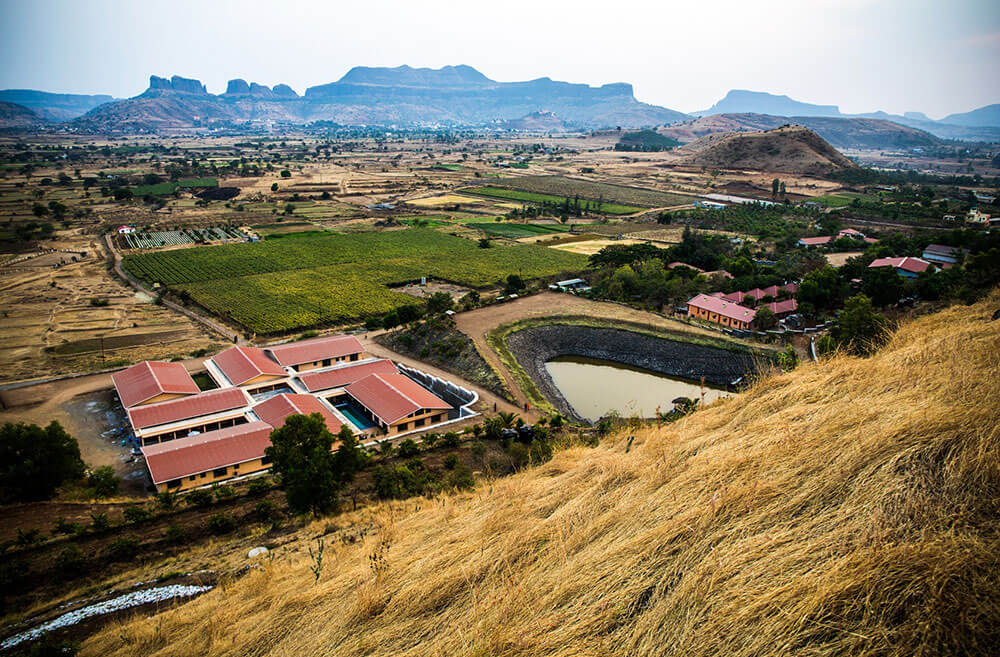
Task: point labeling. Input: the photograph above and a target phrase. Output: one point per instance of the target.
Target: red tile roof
(311, 351)
(672, 265)
(783, 307)
(275, 410)
(146, 380)
(723, 307)
(206, 403)
(215, 449)
(342, 376)
(393, 396)
(913, 265)
(242, 364)
(815, 241)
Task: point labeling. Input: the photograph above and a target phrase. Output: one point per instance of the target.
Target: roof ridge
(398, 391)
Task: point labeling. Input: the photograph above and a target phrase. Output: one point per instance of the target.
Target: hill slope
(739, 101)
(55, 107)
(845, 508)
(14, 116)
(988, 116)
(840, 132)
(791, 149)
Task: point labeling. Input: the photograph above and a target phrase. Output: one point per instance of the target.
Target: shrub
(408, 448)
(134, 514)
(461, 478)
(104, 481)
(175, 534)
(451, 461)
(452, 439)
(264, 511)
(99, 522)
(98, 303)
(70, 562)
(259, 486)
(29, 537)
(430, 440)
(63, 526)
(285, 173)
(223, 492)
(200, 498)
(166, 500)
(221, 523)
(122, 549)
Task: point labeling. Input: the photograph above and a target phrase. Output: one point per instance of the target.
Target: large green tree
(859, 329)
(883, 285)
(35, 461)
(302, 456)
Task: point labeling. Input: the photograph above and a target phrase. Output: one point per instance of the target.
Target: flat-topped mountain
(54, 107)
(739, 101)
(452, 95)
(789, 149)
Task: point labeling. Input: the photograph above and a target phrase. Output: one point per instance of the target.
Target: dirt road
(477, 323)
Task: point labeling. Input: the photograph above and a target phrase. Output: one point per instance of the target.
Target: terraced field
(550, 199)
(276, 286)
(562, 186)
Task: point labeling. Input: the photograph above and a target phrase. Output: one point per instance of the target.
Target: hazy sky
(896, 55)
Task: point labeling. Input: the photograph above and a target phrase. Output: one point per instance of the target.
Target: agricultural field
(165, 188)
(295, 282)
(434, 201)
(517, 231)
(590, 247)
(585, 189)
(549, 199)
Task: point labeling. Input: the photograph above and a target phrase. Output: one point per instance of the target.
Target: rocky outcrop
(533, 347)
(177, 83)
(237, 87)
(260, 91)
(284, 91)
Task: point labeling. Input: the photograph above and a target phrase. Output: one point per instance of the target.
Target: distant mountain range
(453, 95)
(462, 96)
(982, 124)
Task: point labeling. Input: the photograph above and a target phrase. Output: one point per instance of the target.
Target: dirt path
(477, 323)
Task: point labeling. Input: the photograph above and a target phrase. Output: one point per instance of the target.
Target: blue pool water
(357, 419)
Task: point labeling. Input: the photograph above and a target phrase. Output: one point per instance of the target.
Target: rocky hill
(790, 149)
(19, 117)
(54, 107)
(453, 95)
(848, 507)
(536, 122)
(840, 132)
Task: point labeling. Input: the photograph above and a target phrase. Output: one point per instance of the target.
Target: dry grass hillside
(790, 149)
(846, 508)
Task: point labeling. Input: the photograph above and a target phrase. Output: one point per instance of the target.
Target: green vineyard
(282, 285)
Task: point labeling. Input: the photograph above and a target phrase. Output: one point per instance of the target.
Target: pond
(595, 387)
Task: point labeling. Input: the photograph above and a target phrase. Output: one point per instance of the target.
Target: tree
(514, 284)
(274, 187)
(285, 173)
(35, 461)
(350, 458)
(859, 329)
(820, 288)
(882, 285)
(438, 303)
(765, 319)
(775, 186)
(301, 455)
(104, 481)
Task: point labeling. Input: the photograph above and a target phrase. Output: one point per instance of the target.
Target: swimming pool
(355, 415)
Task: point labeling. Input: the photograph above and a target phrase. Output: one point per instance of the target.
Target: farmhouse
(209, 458)
(247, 367)
(317, 353)
(944, 256)
(720, 311)
(396, 403)
(150, 382)
(906, 267)
(811, 242)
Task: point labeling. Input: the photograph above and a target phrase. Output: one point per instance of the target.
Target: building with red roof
(318, 352)
(344, 376)
(246, 366)
(208, 411)
(150, 382)
(721, 311)
(907, 266)
(397, 403)
(783, 308)
(207, 458)
(276, 410)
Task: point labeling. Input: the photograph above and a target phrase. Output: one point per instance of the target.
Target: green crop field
(515, 231)
(534, 197)
(165, 188)
(839, 200)
(595, 191)
(281, 285)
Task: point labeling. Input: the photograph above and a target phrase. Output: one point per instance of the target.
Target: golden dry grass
(846, 508)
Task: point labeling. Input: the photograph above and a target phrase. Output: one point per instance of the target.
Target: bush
(65, 527)
(175, 534)
(26, 538)
(264, 511)
(221, 523)
(122, 549)
(99, 523)
(461, 478)
(408, 448)
(104, 481)
(259, 486)
(452, 439)
(135, 514)
(285, 173)
(200, 498)
(451, 461)
(223, 492)
(430, 440)
(70, 562)
(166, 500)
